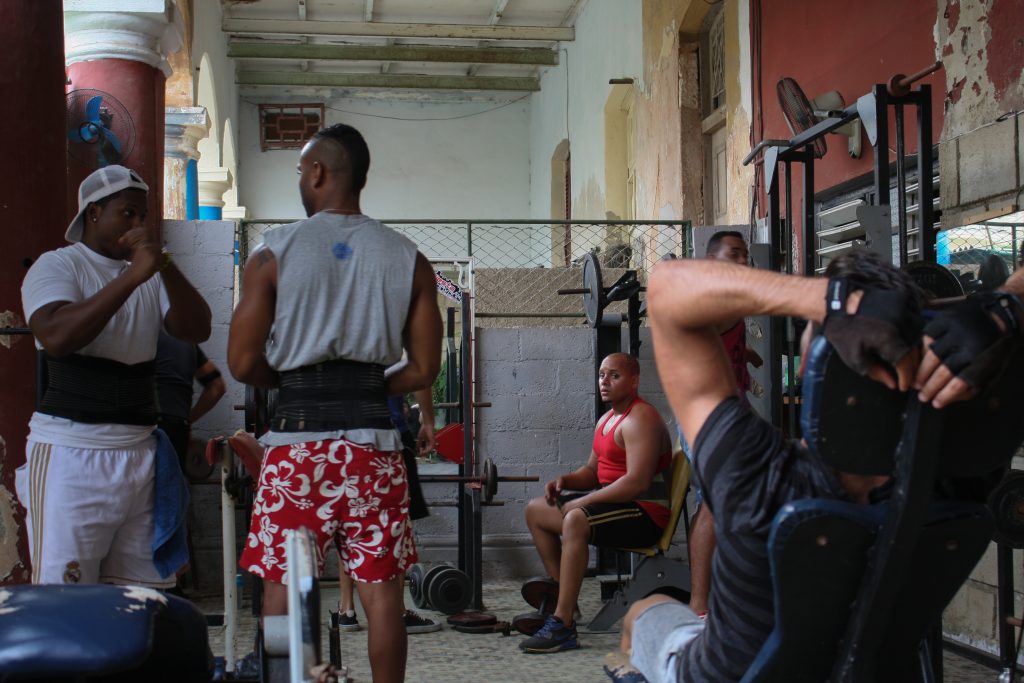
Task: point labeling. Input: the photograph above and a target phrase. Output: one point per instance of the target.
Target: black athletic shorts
(617, 525)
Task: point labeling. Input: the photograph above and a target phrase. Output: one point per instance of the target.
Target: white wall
(608, 45)
(472, 167)
(208, 39)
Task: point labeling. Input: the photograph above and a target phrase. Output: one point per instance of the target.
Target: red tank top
(735, 341)
(611, 465)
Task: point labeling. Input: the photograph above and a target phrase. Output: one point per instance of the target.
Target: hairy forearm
(582, 479)
(412, 377)
(68, 328)
(623, 490)
(699, 294)
(425, 400)
(189, 316)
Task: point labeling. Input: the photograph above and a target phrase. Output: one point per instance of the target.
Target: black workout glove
(968, 340)
(885, 327)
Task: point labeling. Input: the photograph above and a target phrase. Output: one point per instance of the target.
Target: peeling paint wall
(12, 569)
(981, 45)
(981, 156)
(572, 100)
(670, 143)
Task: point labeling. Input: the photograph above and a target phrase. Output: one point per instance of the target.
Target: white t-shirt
(75, 273)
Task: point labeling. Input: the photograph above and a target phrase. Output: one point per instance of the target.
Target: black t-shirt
(747, 471)
(176, 365)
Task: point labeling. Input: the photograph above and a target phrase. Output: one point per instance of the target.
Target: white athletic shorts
(660, 633)
(90, 514)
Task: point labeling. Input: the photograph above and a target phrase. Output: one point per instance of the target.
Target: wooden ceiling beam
(391, 81)
(396, 30)
(394, 53)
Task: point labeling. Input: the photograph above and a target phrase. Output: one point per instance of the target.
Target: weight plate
(1007, 503)
(529, 623)
(936, 281)
(415, 579)
(541, 593)
(593, 301)
(472, 619)
(197, 468)
(428, 578)
(449, 590)
(250, 408)
(490, 482)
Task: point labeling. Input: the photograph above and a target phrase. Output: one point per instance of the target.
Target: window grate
(288, 126)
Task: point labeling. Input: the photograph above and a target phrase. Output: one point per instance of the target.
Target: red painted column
(140, 88)
(33, 214)
(124, 54)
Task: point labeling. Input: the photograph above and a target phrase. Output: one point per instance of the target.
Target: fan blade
(92, 109)
(75, 135)
(108, 136)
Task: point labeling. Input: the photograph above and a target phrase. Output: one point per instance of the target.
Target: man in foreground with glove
(871, 313)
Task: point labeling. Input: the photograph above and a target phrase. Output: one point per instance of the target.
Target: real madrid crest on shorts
(72, 572)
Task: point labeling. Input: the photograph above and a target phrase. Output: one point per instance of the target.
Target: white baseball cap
(97, 185)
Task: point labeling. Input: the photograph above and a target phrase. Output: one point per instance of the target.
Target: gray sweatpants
(660, 633)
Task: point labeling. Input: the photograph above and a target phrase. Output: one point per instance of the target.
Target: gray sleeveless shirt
(344, 284)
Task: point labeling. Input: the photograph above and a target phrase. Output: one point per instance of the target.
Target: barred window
(289, 126)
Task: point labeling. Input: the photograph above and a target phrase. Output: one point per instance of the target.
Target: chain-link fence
(982, 256)
(519, 266)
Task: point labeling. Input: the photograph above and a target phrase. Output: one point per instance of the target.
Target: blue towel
(170, 507)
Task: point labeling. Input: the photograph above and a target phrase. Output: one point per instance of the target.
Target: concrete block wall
(204, 251)
(539, 382)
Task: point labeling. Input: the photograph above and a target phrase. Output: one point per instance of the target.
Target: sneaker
(553, 636)
(414, 623)
(621, 670)
(348, 621)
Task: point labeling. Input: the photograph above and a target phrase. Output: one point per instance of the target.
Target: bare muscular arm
(252, 320)
(64, 327)
(421, 336)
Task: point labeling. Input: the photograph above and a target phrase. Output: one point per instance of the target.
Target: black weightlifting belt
(332, 396)
(100, 390)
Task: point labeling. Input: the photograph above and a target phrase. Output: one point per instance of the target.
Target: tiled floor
(452, 657)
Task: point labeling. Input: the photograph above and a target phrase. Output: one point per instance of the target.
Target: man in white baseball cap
(96, 308)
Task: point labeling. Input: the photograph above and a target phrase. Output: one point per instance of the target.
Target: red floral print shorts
(344, 493)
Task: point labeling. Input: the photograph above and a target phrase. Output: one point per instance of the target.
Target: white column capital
(213, 183)
(184, 127)
(235, 213)
(146, 31)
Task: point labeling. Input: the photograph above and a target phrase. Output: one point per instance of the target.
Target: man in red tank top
(620, 497)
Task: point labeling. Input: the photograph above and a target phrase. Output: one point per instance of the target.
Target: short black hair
(355, 146)
(717, 238)
(867, 270)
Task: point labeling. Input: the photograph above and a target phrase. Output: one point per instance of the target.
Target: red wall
(845, 46)
(32, 204)
(140, 88)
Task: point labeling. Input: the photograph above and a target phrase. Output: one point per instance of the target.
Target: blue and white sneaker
(553, 636)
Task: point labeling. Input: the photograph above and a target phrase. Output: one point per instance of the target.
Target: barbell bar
(488, 481)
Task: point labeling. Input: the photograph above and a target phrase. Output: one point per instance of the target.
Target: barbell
(596, 296)
(487, 480)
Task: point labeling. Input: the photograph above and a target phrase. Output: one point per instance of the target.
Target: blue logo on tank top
(342, 251)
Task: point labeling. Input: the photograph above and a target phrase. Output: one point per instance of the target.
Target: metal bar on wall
(901, 184)
(881, 159)
(809, 250)
(925, 191)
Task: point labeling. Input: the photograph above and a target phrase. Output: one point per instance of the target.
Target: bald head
(624, 362)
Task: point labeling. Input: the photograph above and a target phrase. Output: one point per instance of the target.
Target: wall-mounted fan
(100, 131)
(801, 113)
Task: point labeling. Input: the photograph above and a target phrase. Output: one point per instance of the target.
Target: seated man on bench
(626, 478)
(871, 314)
